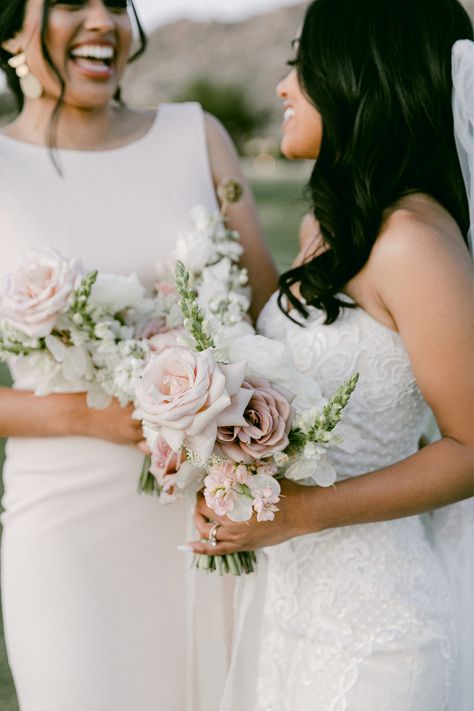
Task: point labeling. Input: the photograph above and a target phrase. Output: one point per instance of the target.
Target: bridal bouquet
(233, 407)
(94, 332)
(81, 331)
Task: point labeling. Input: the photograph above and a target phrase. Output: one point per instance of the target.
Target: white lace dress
(359, 617)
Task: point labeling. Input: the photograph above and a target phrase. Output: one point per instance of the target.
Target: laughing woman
(95, 595)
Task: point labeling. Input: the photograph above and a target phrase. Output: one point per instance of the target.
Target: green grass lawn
(281, 206)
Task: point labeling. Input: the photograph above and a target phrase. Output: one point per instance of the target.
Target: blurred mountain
(250, 54)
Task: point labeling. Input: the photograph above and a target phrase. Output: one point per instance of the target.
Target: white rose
(38, 292)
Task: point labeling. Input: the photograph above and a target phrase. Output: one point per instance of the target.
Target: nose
(99, 18)
(281, 88)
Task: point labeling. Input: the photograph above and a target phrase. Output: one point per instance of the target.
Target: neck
(76, 128)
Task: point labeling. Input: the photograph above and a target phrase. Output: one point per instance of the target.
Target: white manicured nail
(185, 549)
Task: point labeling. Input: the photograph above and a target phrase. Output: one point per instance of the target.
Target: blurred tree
(230, 104)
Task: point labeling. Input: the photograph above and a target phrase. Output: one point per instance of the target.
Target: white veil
(453, 526)
(463, 114)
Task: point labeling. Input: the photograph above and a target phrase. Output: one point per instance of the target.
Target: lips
(94, 60)
(288, 113)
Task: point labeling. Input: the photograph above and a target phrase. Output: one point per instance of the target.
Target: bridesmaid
(351, 607)
(97, 602)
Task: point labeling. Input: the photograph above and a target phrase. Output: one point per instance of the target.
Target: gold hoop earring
(30, 84)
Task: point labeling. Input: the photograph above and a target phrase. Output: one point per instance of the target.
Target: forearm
(438, 475)
(23, 414)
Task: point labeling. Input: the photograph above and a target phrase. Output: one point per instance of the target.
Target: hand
(290, 521)
(114, 424)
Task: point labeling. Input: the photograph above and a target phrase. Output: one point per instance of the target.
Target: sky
(158, 12)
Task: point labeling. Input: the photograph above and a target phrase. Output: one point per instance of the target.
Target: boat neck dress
(100, 610)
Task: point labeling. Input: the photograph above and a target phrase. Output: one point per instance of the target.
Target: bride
(359, 600)
(97, 602)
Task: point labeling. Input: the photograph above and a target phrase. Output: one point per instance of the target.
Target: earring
(30, 84)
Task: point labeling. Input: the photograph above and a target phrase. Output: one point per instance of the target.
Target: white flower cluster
(72, 331)
(211, 253)
(95, 338)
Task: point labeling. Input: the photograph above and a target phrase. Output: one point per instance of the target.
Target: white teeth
(289, 113)
(93, 51)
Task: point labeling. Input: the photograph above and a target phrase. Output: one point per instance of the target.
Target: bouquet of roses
(80, 331)
(77, 331)
(233, 407)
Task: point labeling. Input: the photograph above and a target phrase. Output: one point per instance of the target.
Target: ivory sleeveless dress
(360, 617)
(98, 603)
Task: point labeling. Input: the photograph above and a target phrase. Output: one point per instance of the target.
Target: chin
(290, 151)
(92, 99)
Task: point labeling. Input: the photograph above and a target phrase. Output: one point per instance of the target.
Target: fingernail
(185, 549)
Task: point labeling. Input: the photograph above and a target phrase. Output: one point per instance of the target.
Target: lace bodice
(386, 408)
(355, 617)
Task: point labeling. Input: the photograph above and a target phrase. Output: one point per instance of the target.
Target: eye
(292, 63)
(116, 5)
(113, 5)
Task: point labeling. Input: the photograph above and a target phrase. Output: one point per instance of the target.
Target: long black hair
(12, 16)
(379, 73)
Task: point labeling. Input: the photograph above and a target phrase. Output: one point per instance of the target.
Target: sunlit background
(154, 12)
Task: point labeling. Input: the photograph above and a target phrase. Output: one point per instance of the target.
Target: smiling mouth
(94, 60)
(288, 113)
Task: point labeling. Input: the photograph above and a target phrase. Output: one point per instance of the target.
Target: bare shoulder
(311, 240)
(419, 241)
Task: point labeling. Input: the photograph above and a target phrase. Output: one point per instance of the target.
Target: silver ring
(212, 537)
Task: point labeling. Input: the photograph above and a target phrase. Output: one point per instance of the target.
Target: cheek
(302, 136)
(125, 34)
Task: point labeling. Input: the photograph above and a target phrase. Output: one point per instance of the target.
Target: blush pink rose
(185, 396)
(266, 426)
(166, 339)
(38, 292)
(152, 328)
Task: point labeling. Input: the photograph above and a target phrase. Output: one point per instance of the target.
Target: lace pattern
(358, 617)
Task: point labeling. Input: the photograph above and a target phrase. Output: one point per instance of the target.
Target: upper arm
(242, 215)
(424, 279)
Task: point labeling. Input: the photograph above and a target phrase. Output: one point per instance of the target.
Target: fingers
(221, 548)
(143, 447)
(204, 527)
(204, 510)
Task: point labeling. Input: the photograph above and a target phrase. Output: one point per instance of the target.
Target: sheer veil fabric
(453, 526)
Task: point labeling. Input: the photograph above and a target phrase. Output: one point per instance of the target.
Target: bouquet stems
(241, 563)
(147, 482)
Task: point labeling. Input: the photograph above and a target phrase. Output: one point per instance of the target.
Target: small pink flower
(218, 488)
(165, 464)
(267, 423)
(266, 494)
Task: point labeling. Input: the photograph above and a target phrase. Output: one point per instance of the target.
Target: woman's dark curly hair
(379, 73)
(12, 16)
